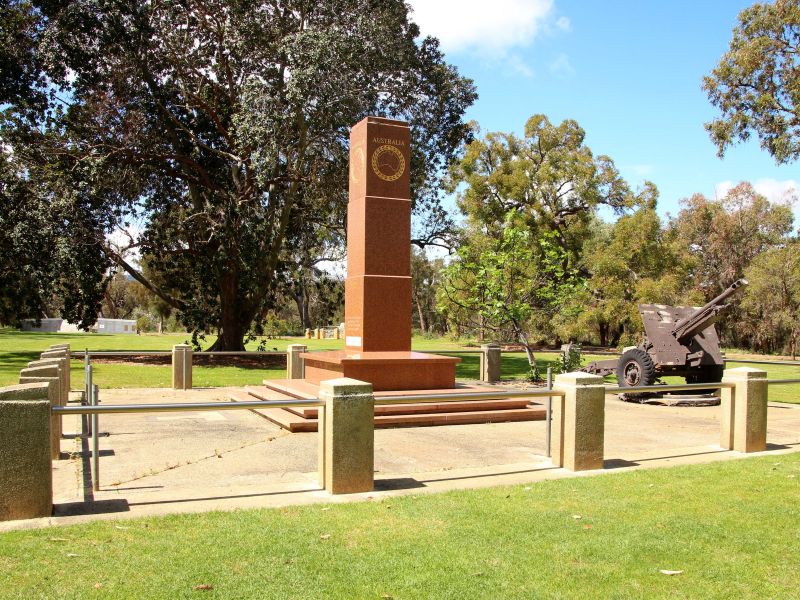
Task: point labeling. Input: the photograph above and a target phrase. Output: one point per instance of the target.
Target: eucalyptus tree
(530, 204)
(549, 177)
(223, 126)
(756, 85)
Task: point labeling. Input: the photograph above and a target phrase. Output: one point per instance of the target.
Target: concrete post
(63, 366)
(318, 334)
(295, 365)
(68, 357)
(50, 375)
(182, 367)
(490, 363)
(337, 334)
(308, 334)
(347, 436)
(25, 470)
(578, 422)
(744, 410)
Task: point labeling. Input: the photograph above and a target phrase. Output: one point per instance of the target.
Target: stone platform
(386, 371)
(500, 410)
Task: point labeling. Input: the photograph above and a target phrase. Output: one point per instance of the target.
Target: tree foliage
(222, 125)
(635, 260)
(772, 300)
(46, 257)
(550, 178)
(756, 84)
(722, 238)
(505, 281)
(531, 205)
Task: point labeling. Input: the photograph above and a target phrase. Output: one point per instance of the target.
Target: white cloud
(784, 192)
(561, 66)
(519, 66)
(477, 25)
(564, 24)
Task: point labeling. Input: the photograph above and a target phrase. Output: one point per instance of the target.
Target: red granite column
(378, 286)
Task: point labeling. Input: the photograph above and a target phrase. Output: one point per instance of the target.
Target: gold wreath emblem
(388, 163)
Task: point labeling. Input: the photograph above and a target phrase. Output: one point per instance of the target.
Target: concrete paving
(196, 461)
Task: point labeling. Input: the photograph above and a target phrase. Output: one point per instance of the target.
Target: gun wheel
(635, 368)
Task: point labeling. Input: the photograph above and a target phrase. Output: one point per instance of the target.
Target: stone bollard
(182, 367)
(51, 374)
(63, 366)
(744, 410)
(337, 334)
(25, 470)
(347, 436)
(490, 363)
(318, 334)
(578, 422)
(295, 365)
(63, 354)
(308, 334)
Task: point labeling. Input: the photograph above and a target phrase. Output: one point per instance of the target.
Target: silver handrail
(616, 389)
(111, 409)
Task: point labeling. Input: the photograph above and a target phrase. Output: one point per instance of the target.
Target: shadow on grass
(11, 363)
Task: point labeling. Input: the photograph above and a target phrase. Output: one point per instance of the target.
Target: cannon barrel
(706, 314)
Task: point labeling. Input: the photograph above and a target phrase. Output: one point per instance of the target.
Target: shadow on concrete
(701, 453)
(492, 474)
(99, 507)
(779, 446)
(618, 463)
(398, 483)
(231, 497)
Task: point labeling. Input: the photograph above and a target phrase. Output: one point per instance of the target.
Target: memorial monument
(378, 286)
(378, 308)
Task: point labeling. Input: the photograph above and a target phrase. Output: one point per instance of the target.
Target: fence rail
(112, 409)
(81, 354)
(790, 363)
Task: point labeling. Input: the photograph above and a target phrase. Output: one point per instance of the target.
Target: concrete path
(154, 464)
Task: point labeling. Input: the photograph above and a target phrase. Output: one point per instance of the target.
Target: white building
(61, 326)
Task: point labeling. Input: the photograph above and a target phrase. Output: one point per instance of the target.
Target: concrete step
(394, 415)
(294, 423)
(405, 409)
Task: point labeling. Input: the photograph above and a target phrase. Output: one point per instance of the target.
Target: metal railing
(111, 353)
(790, 363)
(92, 407)
(116, 409)
(676, 387)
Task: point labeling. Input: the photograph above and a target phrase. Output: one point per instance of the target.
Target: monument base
(386, 371)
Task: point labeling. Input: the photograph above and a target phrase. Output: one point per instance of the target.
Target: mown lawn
(728, 528)
(18, 348)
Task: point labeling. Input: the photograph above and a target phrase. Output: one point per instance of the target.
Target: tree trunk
(603, 334)
(422, 323)
(234, 322)
(523, 338)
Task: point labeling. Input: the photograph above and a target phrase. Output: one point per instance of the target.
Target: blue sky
(628, 71)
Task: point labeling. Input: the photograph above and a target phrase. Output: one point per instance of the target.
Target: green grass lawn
(18, 348)
(729, 527)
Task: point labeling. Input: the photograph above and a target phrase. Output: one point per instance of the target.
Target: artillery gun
(678, 341)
